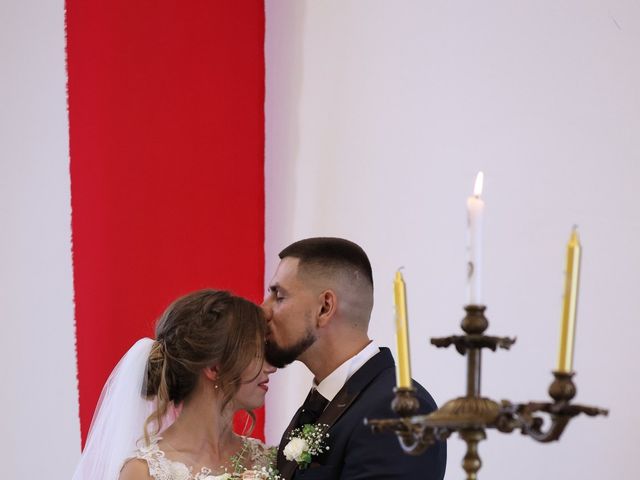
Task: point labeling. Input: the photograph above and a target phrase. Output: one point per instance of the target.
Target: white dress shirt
(330, 386)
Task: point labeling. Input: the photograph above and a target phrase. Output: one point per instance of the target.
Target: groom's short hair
(336, 254)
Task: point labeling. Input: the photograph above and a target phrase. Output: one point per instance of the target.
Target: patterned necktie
(312, 408)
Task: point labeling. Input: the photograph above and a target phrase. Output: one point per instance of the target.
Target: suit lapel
(343, 399)
(340, 403)
(285, 467)
(355, 385)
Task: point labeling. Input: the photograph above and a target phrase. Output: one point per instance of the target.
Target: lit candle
(570, 303)
(475, 210)
(403, 374)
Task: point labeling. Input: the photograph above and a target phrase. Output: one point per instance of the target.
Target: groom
(318, 310)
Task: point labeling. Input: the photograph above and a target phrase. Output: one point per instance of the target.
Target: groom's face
(290, 310)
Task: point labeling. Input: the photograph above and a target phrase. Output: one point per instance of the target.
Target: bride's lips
(263, 385)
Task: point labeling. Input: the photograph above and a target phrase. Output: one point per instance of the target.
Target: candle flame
(477, 188)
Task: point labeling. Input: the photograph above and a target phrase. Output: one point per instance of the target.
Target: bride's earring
(212, 374)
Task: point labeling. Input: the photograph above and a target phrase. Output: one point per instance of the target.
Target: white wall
(379, 114)
(39, 397)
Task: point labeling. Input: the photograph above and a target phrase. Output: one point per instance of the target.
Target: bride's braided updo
(201, 329)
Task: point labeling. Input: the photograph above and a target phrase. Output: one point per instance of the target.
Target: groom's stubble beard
(280, 357)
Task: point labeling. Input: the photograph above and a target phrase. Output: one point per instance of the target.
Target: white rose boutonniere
(295, 449)
(305, 443)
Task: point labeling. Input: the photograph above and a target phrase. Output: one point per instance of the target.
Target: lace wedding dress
(254, 462)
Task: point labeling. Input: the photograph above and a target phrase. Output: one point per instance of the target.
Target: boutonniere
(306, 442)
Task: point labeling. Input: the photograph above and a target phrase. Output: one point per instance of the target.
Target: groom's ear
(328, 304)
(211, 372)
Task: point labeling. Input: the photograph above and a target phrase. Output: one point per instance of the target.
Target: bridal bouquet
(263, 470)
(263, 473)
(305, 443)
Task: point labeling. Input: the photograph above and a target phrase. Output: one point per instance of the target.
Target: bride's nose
(268, 313)
(268, 368)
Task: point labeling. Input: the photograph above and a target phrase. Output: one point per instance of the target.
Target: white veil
(119, 417)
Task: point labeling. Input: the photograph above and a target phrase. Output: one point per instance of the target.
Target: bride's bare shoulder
(135, 469)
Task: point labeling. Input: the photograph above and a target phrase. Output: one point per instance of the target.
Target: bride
(166, 411)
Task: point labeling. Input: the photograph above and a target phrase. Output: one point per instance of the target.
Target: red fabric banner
(166, 114)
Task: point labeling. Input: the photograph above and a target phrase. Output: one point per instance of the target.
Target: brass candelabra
(472, 414)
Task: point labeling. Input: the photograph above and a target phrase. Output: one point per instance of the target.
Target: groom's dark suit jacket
(354, 451)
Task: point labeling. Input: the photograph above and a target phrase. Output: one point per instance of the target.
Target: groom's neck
(327, 354)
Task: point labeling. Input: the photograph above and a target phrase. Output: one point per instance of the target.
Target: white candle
(475, 211)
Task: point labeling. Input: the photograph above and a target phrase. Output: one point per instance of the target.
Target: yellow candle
(568, 324)
(403, 374)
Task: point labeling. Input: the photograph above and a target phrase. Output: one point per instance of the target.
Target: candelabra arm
(473, 324)
(523, 416)
(416, 444)
(414, 433)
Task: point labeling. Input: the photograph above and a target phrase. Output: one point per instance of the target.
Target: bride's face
(254, 386)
